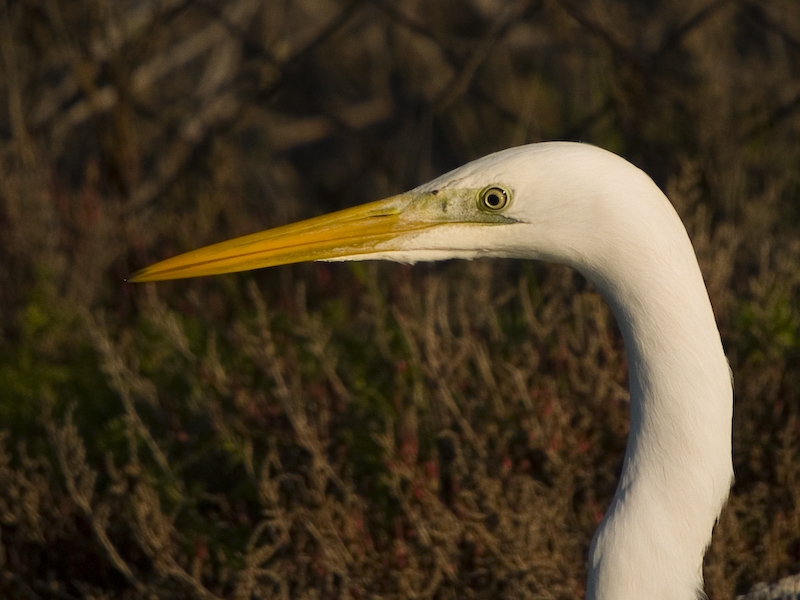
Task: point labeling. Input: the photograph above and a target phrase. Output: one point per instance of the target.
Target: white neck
(677, 469)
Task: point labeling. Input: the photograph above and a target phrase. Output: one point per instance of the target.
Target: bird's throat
(677, 469)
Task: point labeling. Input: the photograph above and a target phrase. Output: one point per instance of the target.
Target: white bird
(587, 208)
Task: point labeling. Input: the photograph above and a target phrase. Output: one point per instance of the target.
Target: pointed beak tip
(357, 231)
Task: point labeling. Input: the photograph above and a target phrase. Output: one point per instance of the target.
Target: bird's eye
(494, 198)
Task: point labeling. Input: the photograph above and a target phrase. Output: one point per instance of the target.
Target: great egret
(588, 208)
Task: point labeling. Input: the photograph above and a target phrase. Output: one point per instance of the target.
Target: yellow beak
(350, 232)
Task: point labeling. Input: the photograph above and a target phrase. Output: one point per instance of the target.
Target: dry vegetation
(365, 431)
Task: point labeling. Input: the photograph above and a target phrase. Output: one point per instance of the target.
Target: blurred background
(368, 430)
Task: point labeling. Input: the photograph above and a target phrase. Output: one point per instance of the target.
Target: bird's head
(533, 201)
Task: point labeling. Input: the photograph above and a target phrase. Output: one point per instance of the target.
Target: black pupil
(494, 199)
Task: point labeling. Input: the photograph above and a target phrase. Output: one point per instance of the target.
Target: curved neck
(677, 469)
